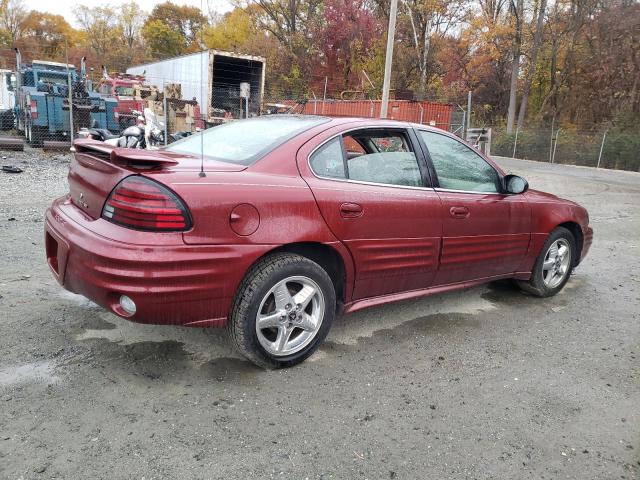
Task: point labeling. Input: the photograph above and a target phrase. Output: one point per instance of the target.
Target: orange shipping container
(429, 113)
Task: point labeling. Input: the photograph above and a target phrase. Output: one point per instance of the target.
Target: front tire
(553, 266)
(282, 311)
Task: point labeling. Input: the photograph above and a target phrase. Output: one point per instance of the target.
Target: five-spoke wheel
(290, 315)
(553, 266)
(556, 263)
(283, 310)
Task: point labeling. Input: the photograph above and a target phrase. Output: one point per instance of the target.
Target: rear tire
(282, 311)
(553, 266)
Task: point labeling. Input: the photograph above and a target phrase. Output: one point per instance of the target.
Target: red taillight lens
(34, 109)
(143, 204)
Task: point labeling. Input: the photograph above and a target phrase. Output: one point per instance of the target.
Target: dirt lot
(485, 383)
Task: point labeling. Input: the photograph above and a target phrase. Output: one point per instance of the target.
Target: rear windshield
(245, 141)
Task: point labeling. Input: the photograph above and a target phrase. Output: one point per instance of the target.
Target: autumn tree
(517, 20)
(130, 20)
(185, 20)
(233, 31)
(346, 37)
(429, 21)
(12, 16)
(100, 25)
(45, 34)
(162, 41)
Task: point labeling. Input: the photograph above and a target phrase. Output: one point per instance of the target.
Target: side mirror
(515, 184)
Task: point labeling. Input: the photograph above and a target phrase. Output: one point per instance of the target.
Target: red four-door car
(273, 226)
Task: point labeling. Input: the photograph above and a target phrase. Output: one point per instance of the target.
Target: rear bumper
(170, 282)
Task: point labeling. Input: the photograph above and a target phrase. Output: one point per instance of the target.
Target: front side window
(372, 155)
(458, 167)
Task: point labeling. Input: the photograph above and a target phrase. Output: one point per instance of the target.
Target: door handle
(351, 210)
(459, 212)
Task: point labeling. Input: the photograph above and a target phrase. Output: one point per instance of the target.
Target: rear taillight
(143, 204)
(34, 109)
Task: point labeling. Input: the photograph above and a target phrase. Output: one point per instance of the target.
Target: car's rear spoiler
(126, 157)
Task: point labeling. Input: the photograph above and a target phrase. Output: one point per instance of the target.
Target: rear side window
(245, 141)
(328, 161)
(372, 155)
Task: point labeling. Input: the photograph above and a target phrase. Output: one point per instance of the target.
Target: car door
(485, 232)
(372, 189)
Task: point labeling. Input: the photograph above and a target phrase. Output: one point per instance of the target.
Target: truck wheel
(282, 311)
(553, 266)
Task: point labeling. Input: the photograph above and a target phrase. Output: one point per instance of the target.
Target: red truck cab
(122, 88)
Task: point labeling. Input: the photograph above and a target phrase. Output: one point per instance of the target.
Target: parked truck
(43, 101)
(226, 85)
(125, 89)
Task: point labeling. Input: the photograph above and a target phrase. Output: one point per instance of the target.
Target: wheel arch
(576, 231)
(329, 258)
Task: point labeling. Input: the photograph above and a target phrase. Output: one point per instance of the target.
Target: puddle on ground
(36, 372)
(366, 323)
(203, 345)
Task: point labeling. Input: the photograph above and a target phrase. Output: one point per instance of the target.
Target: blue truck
(43, 102)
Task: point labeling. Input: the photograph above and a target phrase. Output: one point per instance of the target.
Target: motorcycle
(148, 133)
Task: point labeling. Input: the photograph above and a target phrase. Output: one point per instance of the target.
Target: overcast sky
(65, 7)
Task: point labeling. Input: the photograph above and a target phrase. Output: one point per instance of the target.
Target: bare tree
(12, 16)
(430, 18)
(533, 60)
(517, 13)
(130, 20)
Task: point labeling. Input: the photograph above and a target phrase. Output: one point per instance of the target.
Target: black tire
(536, 285)
(257, 283)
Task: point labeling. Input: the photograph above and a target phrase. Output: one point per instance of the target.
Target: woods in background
(526, 61)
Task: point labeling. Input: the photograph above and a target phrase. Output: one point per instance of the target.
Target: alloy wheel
(290, 315)
(556, 263)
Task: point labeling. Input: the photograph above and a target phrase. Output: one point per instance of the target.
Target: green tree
(162, 41)
(185, 20)
(232, 32)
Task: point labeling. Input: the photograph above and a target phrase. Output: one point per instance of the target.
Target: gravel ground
(484, 383)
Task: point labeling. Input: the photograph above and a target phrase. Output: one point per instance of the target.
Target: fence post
(553, 158)
(165, 107)
(69, 92)
(553, 121)
(468, 112)
(515, 143)
(324, 96)
(604, 137)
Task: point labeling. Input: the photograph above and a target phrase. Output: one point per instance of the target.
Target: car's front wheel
(553, 266)
(282, 311)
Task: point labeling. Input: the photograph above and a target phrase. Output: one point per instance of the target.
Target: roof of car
(335, 121)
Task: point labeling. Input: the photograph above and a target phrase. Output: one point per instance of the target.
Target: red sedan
(287, 221)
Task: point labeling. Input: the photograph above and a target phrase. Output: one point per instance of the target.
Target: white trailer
(213, 78)
(7, 89)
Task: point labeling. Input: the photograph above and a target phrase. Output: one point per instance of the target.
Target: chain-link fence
(44, 102)
(48, 103)
(603, 146)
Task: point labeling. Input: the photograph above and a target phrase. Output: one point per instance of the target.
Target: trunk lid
(96, 168)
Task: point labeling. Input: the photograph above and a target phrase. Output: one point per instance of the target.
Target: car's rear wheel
(282, 311)
(553, 266)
